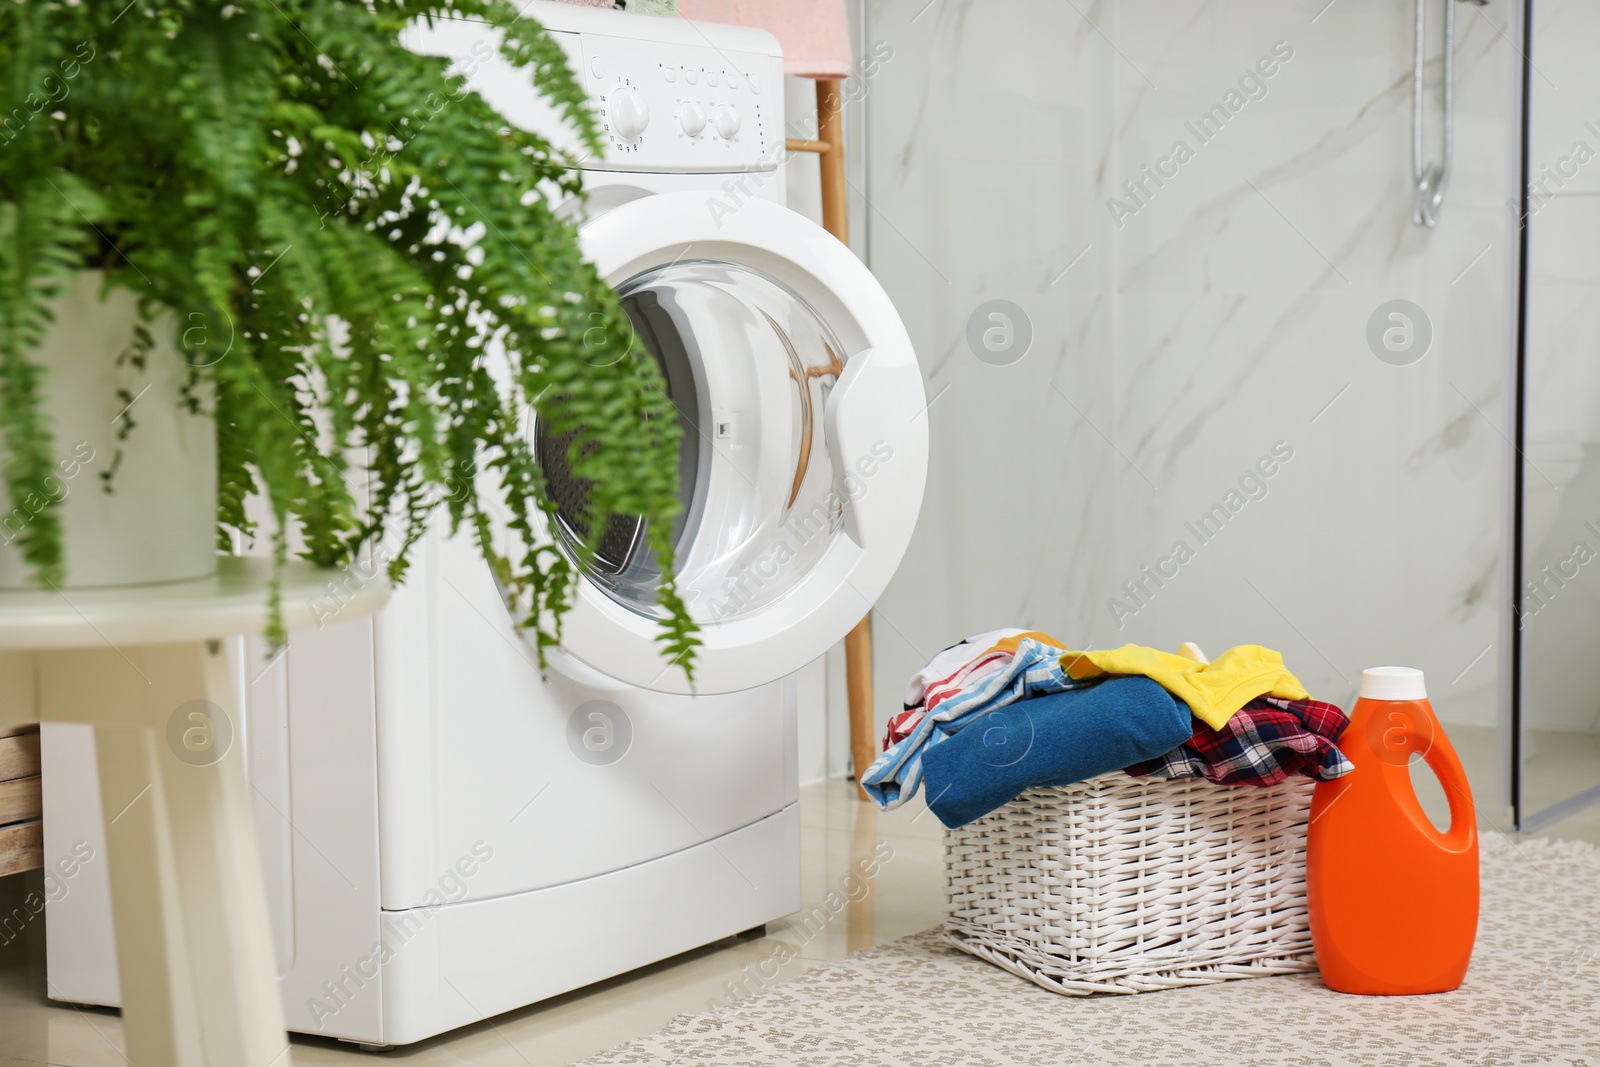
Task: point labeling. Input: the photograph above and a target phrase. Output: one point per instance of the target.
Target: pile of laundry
(1006, 711)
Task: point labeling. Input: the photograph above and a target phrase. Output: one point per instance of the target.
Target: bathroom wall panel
(989, 137)
(1566, 98)
(1244, 290)
(1225, 312)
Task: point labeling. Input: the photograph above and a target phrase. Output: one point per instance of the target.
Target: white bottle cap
(1393, 683)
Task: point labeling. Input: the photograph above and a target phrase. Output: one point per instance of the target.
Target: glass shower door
(1556, 716)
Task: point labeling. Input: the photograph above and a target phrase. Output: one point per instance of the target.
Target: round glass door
(803, 450)
(748, 365)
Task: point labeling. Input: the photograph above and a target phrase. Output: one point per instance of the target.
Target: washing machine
(449, 833)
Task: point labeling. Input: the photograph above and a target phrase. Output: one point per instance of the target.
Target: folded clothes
(1057, 739)
(1265, 742)
(982, 674)
(1009, 674)
(1213, 691)
(961, 666)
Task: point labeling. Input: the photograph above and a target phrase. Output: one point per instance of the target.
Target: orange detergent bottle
(1393, 902)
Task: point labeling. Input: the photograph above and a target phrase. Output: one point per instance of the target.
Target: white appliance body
(446, 834)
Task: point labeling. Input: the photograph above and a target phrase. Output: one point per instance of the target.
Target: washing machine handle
(860, 452)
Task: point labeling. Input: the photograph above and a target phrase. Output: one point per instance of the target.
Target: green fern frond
(382, 254)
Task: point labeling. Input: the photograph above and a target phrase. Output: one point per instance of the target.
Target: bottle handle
(1410, 727)
(1441, 757)
(1404, 728)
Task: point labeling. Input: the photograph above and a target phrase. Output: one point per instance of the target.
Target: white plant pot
(158, 523)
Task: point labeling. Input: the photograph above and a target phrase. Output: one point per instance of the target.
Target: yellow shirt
(1213, 691)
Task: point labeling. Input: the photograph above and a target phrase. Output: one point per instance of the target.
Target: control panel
(682, 107)
(671, 96)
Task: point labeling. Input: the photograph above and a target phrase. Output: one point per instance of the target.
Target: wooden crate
(21, 802)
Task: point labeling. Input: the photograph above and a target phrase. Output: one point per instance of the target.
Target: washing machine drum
(803, 454)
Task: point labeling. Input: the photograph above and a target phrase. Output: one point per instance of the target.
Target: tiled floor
(906, 896)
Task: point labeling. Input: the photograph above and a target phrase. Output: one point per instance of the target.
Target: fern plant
(358, 225)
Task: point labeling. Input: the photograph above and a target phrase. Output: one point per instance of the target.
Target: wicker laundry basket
(1127, 885)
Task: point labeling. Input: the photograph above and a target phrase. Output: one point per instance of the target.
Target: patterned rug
(1532, 996)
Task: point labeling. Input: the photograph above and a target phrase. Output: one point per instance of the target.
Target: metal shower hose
(1430, 179)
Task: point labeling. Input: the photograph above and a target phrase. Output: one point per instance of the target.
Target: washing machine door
(805, 443)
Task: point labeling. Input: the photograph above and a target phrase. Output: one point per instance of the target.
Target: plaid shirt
(1265, 742)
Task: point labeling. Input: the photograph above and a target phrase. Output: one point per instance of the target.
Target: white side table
(145, 666)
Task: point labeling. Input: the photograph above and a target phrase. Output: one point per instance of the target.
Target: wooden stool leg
(835, 219)
(160, 1013)
(858, 684)
(219, 866)
(830, 131)
(194, 946)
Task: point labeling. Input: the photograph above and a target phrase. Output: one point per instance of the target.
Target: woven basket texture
(1129, 885)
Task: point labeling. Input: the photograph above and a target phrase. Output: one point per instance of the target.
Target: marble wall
(1198, 330)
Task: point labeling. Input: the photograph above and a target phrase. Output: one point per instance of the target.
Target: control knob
(629, 112)
(693, 119)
